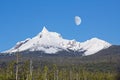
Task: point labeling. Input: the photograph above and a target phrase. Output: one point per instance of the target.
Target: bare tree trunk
(17, 60)
(77, 76)
(70, 75)
(31, 69)
(54, 75)
(57, 75)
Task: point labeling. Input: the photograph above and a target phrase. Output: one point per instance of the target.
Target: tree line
(19, 69)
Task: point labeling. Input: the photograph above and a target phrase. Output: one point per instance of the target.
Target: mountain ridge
(52, 42)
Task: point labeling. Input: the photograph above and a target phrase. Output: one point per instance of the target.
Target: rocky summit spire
(44, 30)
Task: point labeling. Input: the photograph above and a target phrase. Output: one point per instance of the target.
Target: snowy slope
(52, 42)
(94, 45)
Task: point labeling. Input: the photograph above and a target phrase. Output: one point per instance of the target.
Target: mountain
(94, 45)
(52, 43)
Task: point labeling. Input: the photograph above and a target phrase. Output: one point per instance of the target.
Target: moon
(77, 20)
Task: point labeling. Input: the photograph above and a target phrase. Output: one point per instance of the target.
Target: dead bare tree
(17, 61)
(31, 69)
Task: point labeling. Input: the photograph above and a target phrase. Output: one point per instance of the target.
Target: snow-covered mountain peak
(97, 41)
(48, 34)
(44, 30)
(52, 42)
(94, 45)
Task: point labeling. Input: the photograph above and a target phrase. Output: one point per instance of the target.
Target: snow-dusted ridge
(94, 45)
(52, 42)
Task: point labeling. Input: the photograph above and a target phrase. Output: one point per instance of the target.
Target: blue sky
(20, 19)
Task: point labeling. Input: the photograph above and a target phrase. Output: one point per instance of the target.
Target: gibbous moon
(77, 20)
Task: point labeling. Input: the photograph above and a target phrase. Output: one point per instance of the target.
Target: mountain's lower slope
(111, 51)
(111, 54)
(107, 59)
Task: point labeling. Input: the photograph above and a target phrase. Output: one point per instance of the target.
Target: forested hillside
(104, 65)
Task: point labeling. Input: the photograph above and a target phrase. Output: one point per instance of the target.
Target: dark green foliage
(54, 72)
